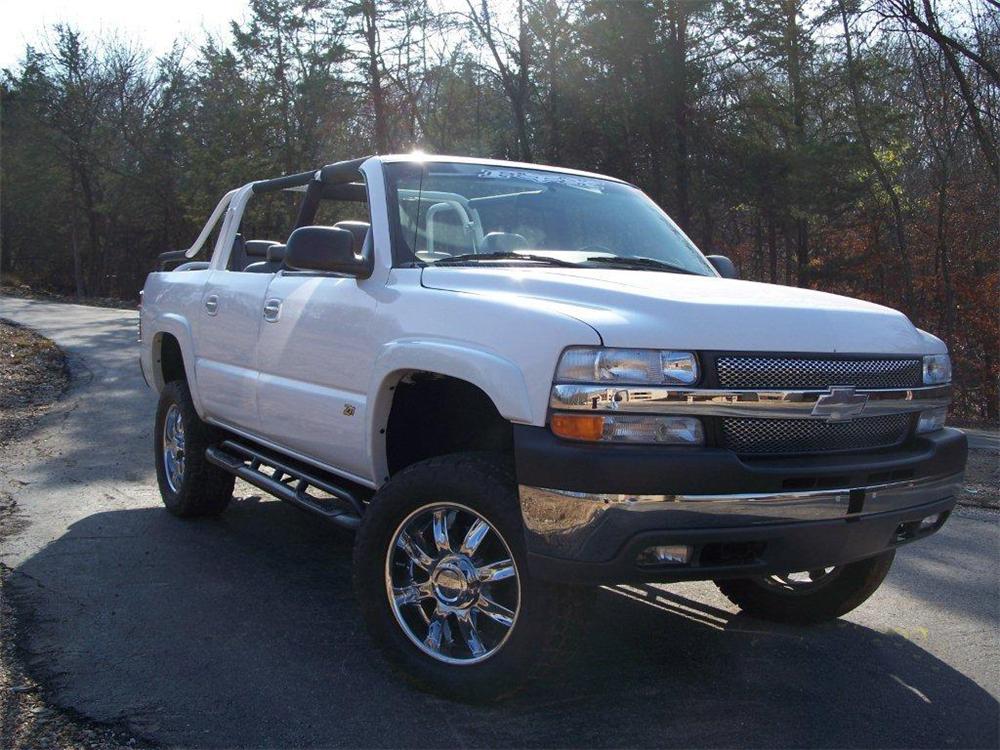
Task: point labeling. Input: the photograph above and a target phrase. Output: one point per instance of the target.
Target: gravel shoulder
(982, 479)
(33, 376)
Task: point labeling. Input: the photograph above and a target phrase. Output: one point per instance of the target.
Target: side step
(289, 480)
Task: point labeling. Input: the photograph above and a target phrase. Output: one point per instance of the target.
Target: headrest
(258, 248)
(359, 229)
(276, 253)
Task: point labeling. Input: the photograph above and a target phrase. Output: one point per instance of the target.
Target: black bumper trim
(543, 460)
(776, 548)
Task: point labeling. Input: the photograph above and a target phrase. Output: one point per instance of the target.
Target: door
(315, 355)
(227, 327)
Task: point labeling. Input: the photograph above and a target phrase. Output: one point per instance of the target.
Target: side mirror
(724, 266)
(328, 249)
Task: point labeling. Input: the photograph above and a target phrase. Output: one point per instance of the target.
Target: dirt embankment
(33, 374)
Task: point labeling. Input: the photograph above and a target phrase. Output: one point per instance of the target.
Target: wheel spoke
(497, 571)
(412, 594)
(420, 558)
(470, 633)
(495, 611)
(434, 632)
(440, 526)
(477, 532)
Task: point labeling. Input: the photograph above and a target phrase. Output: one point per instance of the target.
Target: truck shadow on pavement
(244, 631)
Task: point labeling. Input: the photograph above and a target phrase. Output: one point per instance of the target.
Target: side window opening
(270, 218)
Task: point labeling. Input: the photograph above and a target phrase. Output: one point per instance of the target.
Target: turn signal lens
(652, 430)
(578, 427)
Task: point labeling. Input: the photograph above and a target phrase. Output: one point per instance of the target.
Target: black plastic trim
(543, 460)
(775, 548)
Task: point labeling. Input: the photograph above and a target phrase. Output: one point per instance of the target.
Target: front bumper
(589, 511)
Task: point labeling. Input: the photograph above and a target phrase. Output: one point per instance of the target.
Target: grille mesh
(788, 436)
(785, 372)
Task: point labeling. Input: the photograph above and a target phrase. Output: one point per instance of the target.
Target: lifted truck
(512, 378)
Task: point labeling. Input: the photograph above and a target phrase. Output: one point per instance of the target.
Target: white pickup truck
(512, 379)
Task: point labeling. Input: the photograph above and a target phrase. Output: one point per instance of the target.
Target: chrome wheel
(801, 582)
(452, 583)
(173, 448)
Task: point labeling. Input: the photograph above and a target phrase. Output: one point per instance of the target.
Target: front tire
(440, 571)
(189, 485)
(811, 596)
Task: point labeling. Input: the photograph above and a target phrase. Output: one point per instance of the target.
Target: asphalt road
(244, 630)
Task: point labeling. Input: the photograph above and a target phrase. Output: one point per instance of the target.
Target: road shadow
(243, 631)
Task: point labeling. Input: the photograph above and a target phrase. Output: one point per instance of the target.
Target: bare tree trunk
(793, 52)
(677, 20)
(523, 81)
(772, 247)
(369, 13)
(77, 260)
(930, 28)
(515, 80)
(899, 233)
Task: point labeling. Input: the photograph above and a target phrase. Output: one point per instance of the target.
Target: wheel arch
(172, 355)
(497, 378)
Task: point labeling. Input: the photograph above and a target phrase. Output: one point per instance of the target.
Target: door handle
(272, 310)
(212, 304)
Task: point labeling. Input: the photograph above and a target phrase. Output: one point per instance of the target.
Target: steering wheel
(597, 249)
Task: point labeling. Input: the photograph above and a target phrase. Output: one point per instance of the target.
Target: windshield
(475, 214)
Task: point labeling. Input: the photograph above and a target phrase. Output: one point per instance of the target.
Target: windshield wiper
(636, 262)
(473, 257)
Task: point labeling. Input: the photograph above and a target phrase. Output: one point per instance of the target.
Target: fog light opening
(931, 420)
(665, 554)
(929, 522)
(912, 529)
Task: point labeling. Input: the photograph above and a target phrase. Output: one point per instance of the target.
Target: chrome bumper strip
(578, 524)
(779, 404)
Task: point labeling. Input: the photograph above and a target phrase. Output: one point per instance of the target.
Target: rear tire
(189, 485)
(831, 595)
(470, 654)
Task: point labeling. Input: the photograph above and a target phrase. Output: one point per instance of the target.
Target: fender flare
(498, 377)
(178, 327)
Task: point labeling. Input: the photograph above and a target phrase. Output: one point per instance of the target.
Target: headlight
(627, 366)
(652, 430)
(937, 369)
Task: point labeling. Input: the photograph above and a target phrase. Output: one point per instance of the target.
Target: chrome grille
(800, 373)
(788, 436)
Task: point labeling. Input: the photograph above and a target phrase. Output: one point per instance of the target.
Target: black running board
(289, 481)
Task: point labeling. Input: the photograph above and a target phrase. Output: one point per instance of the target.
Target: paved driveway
(244, 631)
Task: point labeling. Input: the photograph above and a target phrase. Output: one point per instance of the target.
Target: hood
(653, 309)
